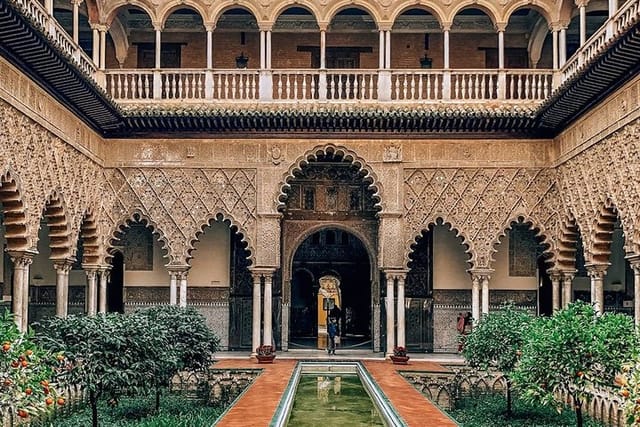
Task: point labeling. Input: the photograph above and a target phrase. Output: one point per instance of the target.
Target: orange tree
(573, 350)
(190, 343)
(26, 372)
(629, 382)
(496, 342)
(109, 355)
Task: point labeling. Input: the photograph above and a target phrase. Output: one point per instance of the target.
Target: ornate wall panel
(479, 203)
(43, 163)
(181, 201)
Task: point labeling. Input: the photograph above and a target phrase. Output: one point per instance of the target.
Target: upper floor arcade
(144, 57)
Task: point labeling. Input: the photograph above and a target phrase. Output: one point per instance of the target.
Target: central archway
(337, 253)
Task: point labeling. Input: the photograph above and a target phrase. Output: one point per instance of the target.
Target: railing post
(208, 84)
(384, 85)
(446, 85)
(266, 85)
(322, 85)
(101, 79)
(502, 84)
(157, 84)
(556, 80)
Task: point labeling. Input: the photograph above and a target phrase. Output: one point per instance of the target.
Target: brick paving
(258, 404)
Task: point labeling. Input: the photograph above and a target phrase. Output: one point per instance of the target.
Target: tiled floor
(258, 404)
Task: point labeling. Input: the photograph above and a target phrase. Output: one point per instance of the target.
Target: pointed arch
(55, 212)
(330, 149)
(233, 224)
(15, 218)
(137, 216)
(441, 220)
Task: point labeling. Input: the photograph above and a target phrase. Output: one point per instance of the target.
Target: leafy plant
(109, 354)
(190, 343)
(573, 350)
(26, 372)
(496, 342)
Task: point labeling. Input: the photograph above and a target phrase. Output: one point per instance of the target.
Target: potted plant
(399, 356)
(265, 354)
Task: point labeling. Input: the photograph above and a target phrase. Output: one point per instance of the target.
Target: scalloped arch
(277, 9)
(15, 215)
(483, 5)
(166, 10)
(332, 11)
(220, 8)
(406, 5)
(348, 155)
(223, 217)
(110, 14)
(601, 232)
(55, 211)
(88, 231)
(542, 236)
(136, 215)
(439, 219)
(567, 243)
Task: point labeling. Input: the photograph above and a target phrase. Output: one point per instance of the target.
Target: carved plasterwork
(479, 204)
(180, 202)
(43, 167)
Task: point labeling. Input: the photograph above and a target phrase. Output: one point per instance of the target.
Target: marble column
(257, 309)
(103, 47)
(563, 47)
(21, 261)
(173, 288)
(501, 48)
(263, 49)
(445, 34)
(596, 273)
(556, 53)
(183, 288)
(91, 302)
(381, 49)
(323, 49)
(158, 30)
(583, 24)
(555, 290)
(267, 312)
(62, 287)
(634, 261)
(567, 288)
(209, 47)
(401, 319)
(475, 298)
(390, 315)
(485, 293)
(76, 25)
(102, 293)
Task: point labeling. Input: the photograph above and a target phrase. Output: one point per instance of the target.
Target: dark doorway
(341, 254)
(115, 298)
(545, 291)
(419, 295)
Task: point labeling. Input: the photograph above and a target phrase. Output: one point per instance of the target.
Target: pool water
(333, 400)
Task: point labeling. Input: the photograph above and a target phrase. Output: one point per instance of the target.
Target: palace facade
(267, 162)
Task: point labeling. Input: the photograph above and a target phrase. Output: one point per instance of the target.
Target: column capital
(634, 261)
(554, 275)
(597, 271)
(395, 273)
(558, 26)
(581, 3)
(385, 26)
(91, 273)
(262, 271)
(568, 274)
(480, 274)
(500, 27)
(209, 26)
(64, 265)
(102, 27)
(446, 26)
(22, 258)
(158, 26)
(265, 26)
(323, 25)
(76, 2)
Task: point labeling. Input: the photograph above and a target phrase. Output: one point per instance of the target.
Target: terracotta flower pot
(400, 360)
(266, 358)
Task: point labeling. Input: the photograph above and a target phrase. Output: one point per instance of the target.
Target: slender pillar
(583, 24)
(76, 4)
(103, 47)
(401, 319)
(257, 309)
(390, 317)
(62, 287)
(387, 50)
(25, 297)
(268, 52)
(173, 288)
(634, 261)
(158, 30)
(596, 273)
(323, 49)
(263, 50)
(96, 45)
(556, 53)
(21, 262)
(567, 288)
(267, 314)
(613, 7)
(102, 293)
(381, 49)
(183, 288)
(501, 48)
(91, 302)
(475, 298)
(563, 47)
(485, 294)
(48, 5)
(445, 34)
(555, 290)
(209, 47)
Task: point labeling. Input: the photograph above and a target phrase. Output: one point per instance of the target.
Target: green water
(322, 400)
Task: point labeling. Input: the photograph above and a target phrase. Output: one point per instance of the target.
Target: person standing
(332, 330)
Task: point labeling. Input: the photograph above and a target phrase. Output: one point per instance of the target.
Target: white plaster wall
(211, 259)
(500, 278)
(449, 260)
